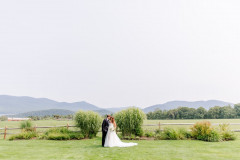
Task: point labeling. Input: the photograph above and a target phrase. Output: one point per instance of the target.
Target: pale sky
(121, 53)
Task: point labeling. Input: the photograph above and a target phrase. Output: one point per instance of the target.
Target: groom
(105, 125)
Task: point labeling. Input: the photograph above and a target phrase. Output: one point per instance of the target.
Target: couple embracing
(109, 136)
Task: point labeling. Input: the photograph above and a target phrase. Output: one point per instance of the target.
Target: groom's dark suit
(105, 125)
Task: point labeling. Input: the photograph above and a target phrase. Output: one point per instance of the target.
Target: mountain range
(42, 106)
(174, 104)
(14, 104)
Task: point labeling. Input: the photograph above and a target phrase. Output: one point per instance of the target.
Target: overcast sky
(121, 53)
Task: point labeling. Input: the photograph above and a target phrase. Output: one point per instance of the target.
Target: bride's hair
(113, 121)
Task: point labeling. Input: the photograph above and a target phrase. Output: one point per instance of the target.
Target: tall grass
(27, 131)
(88, 122)
(26, 124)
(130, 121)
(226, 133)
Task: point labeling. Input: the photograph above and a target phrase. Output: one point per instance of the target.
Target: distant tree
(186, 113)
(172, 114)
(150, 115)
(214, 112)
(237, 109)
(201, 113)
(192, 113)
(56, 116)
(227, 112)
(69, 116)
(158, 114)
(35, 118)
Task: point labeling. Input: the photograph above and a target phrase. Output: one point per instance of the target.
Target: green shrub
(169, 134)
(157, 131)
(75, 135)
(89, 123)
(23, 135)
(200, 131)
(130, 121)
(137, 138)
(149, 134)
(172, 134)
(214, 136)
(226, 133)
(27, 131)
(58, 136)
(223, 127)
(204, 131)
(228, 136)
(158, 137)
(183, 134)
(26, 124)
(57, 130)
(132, 137)
(3, 118)
(61, 134)
(139, 132)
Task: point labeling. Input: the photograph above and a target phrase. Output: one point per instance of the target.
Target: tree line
(225, 112)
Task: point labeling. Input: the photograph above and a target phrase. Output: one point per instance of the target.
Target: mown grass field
(91, 149)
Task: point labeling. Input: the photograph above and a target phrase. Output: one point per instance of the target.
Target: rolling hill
(42, 113)
(14, 104)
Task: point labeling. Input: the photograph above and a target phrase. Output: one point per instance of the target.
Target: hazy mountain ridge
(27, 105)
(50, 112)
(14, 104)
(195, 104)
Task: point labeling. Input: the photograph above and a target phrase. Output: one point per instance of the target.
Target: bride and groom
(109, 136)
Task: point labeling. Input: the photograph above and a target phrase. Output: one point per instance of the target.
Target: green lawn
(91, 149)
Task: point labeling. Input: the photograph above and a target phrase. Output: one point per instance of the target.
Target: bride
(112, 140)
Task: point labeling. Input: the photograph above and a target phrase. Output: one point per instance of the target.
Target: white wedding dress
(112, 140)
